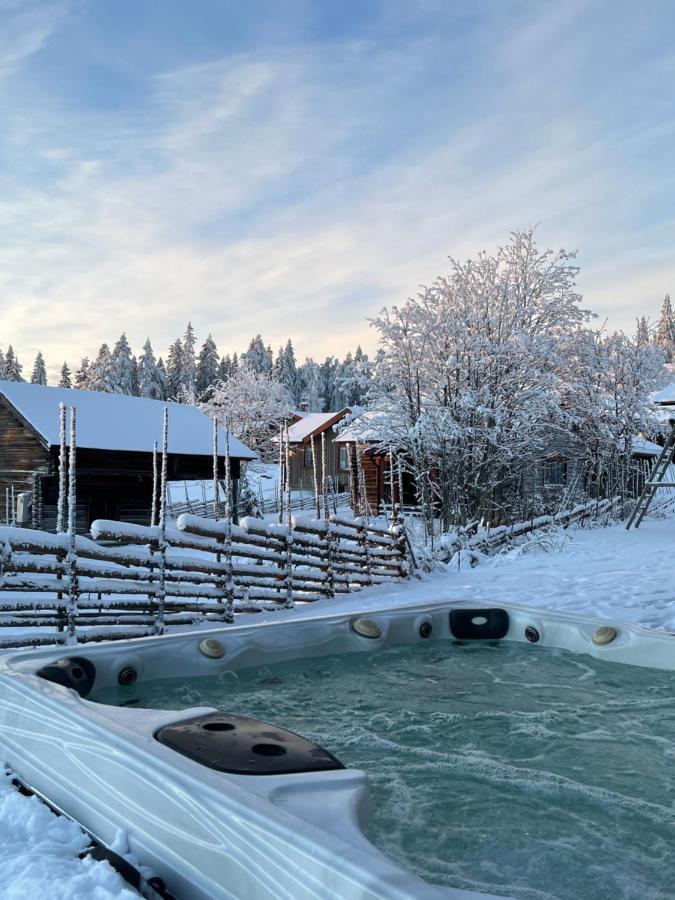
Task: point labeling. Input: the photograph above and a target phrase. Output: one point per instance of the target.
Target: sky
(290, 167)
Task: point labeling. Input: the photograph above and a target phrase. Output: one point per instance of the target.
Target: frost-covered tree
(224, 368)
(467, 382)
(3, 368)
(174, 370)
(309, 375)
(664, 335)
(252, 405)
(13, 367)
(122, 368)
(83, 374)
(258, 357)
(65, 380)
(285, 371)
(149, 376)
(207, 367)
(162, 378)
(102, 375)
(328, 373)
(39, 374)
(642, 330)
(188, 371)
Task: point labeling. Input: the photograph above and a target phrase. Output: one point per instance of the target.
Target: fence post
(288, 547)
(330, 559)
(365, 546)
(161, 592)
(71, 557)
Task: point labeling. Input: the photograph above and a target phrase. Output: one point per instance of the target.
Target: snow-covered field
(616, 575)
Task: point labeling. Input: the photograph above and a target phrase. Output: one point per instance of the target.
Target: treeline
(189, 373)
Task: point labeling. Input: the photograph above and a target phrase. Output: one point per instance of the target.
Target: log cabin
(304, 434)
(115, 438)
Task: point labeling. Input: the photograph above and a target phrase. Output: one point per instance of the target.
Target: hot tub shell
(210, 834)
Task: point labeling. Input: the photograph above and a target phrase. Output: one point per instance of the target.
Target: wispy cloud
(295, 190)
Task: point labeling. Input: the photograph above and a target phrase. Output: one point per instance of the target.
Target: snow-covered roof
(118, 422)
(665, 397)
(640, 446)
(313, 423)
(369, 427)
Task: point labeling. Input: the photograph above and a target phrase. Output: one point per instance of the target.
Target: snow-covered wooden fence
(131, 580)
(490, 540)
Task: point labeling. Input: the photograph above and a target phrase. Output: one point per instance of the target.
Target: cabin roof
(117, 422)
(312, 424)
(666, 396)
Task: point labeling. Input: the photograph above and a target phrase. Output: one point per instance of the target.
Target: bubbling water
(503, 768)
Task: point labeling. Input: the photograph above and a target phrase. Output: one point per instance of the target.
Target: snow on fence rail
(492, 539)
(133, 580)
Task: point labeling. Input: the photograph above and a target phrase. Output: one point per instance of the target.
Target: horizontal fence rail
(132, 580)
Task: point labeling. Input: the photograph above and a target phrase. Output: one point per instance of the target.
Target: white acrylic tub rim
(213, 835)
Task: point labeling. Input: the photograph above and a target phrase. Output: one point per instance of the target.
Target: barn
(115, 438)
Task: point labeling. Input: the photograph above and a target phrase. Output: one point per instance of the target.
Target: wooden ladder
(655, 480)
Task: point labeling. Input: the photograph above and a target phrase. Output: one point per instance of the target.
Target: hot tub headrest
(479, 624)
(76, 672)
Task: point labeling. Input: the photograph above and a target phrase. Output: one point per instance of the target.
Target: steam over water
(503, 768)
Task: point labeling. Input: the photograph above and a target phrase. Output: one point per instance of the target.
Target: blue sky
(290, 167)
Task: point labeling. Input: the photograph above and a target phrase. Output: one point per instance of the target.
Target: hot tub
(444, 751)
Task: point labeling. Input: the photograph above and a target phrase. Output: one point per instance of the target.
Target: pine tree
(12, 365)
(258, 357)
(102, 373)
(224, 368)
(174, 370)
(3, 367)
(189, 362)
(122, 368)
(65, 381)
(150, 379)
(161, 378)
(289, 372)
(39, 375)
(309, 376)
(83, 375)
(207, 367)
(664, 336)
(642, 330)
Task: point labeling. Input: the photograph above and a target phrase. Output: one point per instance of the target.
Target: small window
(343, 458)
(308, 461)
(555, 472)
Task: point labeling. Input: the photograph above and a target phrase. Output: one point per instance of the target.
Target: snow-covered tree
(65, 381)
(3, 368)
(207, 367)
(224, 368)
(102, 372)
(83, 374)
(13, 367)
(149, 376)
(467, 383)
(258, 357)
(122, 368)
(309, 376)
(664, 335)
(252, 405)
(285, 370)
(39, 375)
(642, 330)
(188, 371)
(174, 370)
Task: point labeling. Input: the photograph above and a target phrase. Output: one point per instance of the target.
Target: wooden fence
(132, 580)
(491, 540)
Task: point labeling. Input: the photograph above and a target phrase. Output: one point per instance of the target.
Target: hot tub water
(505, 768)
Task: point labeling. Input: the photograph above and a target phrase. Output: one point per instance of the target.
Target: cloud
(293, 191)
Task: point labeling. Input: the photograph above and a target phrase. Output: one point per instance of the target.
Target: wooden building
(115, 437)
(306, 434)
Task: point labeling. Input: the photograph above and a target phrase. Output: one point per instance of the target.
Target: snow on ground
(39, 855)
